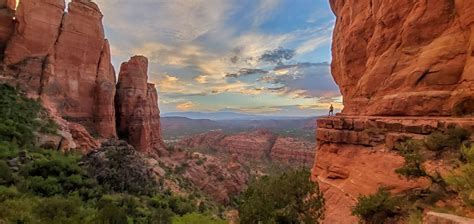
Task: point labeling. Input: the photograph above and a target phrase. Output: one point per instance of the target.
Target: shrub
(462, 179)
(21, 117)
(377, 208)
(452, 138)
(413, 166)
(6, 175)
(120, 168)
(53, 173)
(289, 198)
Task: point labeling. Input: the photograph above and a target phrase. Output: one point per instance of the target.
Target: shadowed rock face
(138, 116)
(7, 12)
(404, 57)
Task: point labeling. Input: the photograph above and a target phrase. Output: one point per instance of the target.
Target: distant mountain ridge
(218, 116)
(175, 128)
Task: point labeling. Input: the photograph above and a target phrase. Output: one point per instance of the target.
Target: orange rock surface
(356, 155)
(404, 57)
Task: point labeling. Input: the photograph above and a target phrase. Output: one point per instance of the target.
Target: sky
(266, 57)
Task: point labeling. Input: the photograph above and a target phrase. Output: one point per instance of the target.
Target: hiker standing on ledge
(331, 110)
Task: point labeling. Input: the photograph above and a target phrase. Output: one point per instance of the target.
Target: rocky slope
(404, 57)
(409, 59)
(63, 59)
(256, 145)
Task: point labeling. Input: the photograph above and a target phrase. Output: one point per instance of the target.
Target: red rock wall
(404, 57)
(63, 59)
(409, 60)
(7, 12)
(138, 117)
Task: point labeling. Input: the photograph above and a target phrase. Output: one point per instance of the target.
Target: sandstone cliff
(138, 117)
(404, 57)
(410, 60)
(63, 59)
(257, 145)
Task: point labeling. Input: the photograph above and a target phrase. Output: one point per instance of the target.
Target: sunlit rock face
(63, 59)
(404, 57)
(138, 116)
(398, 63)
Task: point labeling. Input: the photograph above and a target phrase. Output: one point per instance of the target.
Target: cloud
(246, 72)
(264, 10)
(186, 106)
(277, 56)
(312, 44)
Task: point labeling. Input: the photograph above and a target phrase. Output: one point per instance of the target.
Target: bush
(413, 166)
(452, 138)
(53, 173)
(377, 208)
(119, 168)
(19, 118)
(462, 179)
(289, 198)
(6, 175)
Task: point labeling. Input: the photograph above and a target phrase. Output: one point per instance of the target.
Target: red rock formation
(138, 116)
(63, 59)
(355, 155)
(255, 145)
(395, 57)
(7, 12)
(79, 78)
(293, 152)
(404, 57)
(37, 27)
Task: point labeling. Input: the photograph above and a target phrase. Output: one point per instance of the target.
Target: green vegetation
(413, 166)
(450, 139)
(289, 198)
(462, 179)
(45, 186)
(377, 208)
(382, 207)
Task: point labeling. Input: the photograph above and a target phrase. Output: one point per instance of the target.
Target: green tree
(377, 208)
(289, 198)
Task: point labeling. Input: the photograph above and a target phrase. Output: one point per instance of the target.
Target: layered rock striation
(255, 145)
(63, 59)
(406, 57)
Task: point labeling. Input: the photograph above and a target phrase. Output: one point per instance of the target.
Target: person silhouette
(331, 110)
